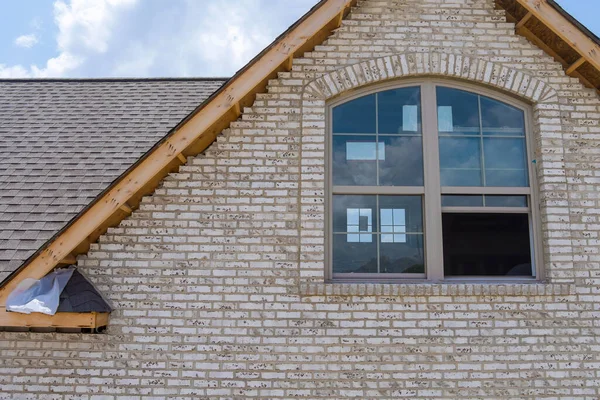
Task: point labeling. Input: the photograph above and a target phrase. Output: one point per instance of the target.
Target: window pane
(401, 211)
(356, 116)
(399, 111)
(506, 201)
(486, 245)
(352, 257)
(481, 201)
(458, 112)
(354, 160)
(355, 214)
(405, 256)
(402, 164)
(501, 119)
(505, 162)
(462, 201)
(460, 161)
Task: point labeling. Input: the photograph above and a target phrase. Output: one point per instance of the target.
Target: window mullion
(433, 197)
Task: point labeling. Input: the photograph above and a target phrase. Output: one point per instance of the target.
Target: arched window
(430, 180)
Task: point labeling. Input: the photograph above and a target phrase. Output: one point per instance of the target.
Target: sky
(155, 38)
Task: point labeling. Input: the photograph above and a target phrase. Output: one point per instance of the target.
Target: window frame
(431, 193)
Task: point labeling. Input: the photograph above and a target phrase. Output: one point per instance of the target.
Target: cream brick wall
(217, 279)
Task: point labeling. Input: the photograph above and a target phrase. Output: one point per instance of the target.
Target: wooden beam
(58, 320)
(182, 158)
(68, 260)
(575, 65)
(244, 84)
(524, 20)
(542, 45)
(568, 32)
(237, 109)
(126, 208)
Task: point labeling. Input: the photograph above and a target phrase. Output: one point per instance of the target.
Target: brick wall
(217, 279)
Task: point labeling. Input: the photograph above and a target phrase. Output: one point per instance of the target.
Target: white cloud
(160, 38)
(27, 41)
(84, 28)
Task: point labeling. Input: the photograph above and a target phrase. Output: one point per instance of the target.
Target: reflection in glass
(506, 201)
(505, 162)
(402, 257)
(355, 116)
(353, 257)
(347, 169)
(458, 112)
(393, 225)
(365, 151)
(462, 201)
(501, 119)
(495, 127)
(360, 246)
(360, 220)
(347, 210)
(403, 161)
(399, 111)
(460, 161)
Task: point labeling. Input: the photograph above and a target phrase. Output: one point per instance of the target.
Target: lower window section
(378, 235)
(482, 244)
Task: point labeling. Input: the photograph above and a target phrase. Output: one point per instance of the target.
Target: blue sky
(155, 38)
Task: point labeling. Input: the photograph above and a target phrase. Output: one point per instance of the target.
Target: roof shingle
(64, 141)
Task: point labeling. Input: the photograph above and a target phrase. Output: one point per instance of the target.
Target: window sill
(448, 288)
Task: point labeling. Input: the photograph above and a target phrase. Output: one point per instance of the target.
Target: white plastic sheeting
(42, 296)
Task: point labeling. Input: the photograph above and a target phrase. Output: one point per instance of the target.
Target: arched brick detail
(435, 64)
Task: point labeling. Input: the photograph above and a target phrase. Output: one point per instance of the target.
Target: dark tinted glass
(506, 201)
(402, 256)
(460, 161)
(486, 245)
(356, 116)
(353, 257)
(462, 201)
(399, 111)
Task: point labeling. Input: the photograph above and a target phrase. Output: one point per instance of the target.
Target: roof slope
(64, 141)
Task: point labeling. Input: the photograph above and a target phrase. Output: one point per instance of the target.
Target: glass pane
(399, 111)
(405, 256)
(505, 162)
(462, 201)
(356, 116)
(486, 245)
(501, 119)
(352, 257)
(506, 201)
(355, 214)
(460, 161)
(404, 213)
(458, 112)
(402, 163)
(354, 160)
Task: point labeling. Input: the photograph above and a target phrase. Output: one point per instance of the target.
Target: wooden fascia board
(238, 88)
(557, 23)
(58, 320)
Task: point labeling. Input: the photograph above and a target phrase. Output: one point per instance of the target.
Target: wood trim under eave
(193, 130)
(58, 320)
(558, 24)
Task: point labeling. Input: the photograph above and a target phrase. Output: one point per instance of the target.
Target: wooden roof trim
(565, 29)
(58, 320)
(191, 137)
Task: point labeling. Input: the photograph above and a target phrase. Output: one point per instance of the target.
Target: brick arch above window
(472, 69)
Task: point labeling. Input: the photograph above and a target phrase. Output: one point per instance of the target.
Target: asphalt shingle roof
(62, 142)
